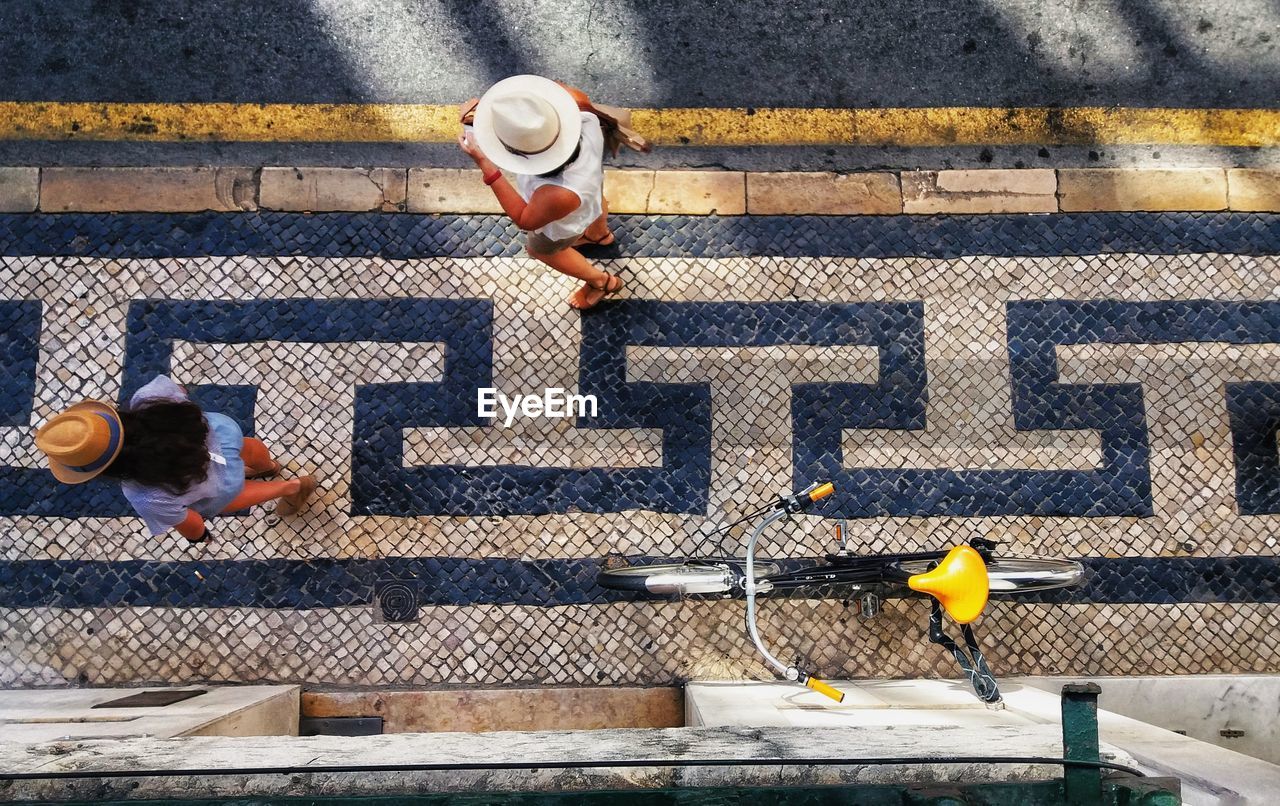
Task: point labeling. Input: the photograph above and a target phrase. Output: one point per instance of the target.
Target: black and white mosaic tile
(1102, 387)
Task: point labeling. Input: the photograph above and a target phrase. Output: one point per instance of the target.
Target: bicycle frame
(840, 570)
(792, 673)
(856, 571)
(958, 580)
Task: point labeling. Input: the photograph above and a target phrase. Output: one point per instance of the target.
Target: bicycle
(958, 582)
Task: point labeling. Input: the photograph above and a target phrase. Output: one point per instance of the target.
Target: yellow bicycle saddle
(959, 582)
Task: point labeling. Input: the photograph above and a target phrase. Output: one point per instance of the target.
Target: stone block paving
(1103, 387)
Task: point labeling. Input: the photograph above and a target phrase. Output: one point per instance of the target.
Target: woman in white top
(534, 128)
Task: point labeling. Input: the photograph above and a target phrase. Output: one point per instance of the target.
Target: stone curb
(19, 190)
(661, 192)
(127, 190)
(354, 189)
(1096, 190)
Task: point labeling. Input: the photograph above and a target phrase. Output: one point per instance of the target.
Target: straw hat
(82, 441)
(527, 124)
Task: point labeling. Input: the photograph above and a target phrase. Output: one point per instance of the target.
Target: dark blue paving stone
(23, 490)
(683, 411)
(306, 584)
(408, 236)
(681, 485)
(1123, 485)
(1254, 413)
(381, 485)
(19, 350)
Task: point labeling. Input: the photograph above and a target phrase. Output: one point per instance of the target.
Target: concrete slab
(881, 703)
(1209, 774)
(449, 190)
(628, 191)
(42, 715)
(698, 193)
(1240, 712)
(1253, 189)
(816, 193)
(773, 747)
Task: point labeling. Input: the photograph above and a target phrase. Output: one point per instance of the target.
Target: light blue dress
(161, 509)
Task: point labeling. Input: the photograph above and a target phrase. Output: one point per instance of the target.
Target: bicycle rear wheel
(689, 577)
(1011, 575)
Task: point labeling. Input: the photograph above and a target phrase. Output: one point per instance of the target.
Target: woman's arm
(549, 203)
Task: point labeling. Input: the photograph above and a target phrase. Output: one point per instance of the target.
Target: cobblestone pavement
(1100, 386)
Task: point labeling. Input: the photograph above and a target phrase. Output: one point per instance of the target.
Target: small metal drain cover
(396, 599)
(151, 699)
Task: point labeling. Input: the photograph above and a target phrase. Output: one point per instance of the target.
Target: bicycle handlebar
(824, 688)
(787, 505)
(792, 504)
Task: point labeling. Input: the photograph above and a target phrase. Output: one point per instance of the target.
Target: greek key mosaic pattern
(1103, 387)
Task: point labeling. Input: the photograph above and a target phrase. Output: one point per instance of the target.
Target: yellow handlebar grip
(822, 688)
(822, 492)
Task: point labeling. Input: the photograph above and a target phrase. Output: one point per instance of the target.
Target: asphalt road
(842, 53)
(656, 52)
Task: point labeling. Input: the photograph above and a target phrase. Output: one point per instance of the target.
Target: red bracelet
(489, 179)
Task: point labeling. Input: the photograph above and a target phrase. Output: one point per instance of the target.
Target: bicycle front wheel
(1011, 575)
(691, 577)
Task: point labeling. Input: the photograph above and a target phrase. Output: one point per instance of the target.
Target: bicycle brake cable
(747, 517)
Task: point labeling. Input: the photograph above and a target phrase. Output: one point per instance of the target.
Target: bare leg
(598, 232)
(571, 262)
(192, 527)
(257, 459)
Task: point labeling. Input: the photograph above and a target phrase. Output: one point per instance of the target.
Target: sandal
(269, 473)
(607, 240)
(609, 289)
(293, 504)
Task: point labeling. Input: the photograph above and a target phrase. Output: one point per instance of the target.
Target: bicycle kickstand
(972, 662)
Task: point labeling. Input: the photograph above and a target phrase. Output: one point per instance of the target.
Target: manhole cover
(396, 599)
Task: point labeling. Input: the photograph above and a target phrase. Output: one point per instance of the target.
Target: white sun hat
(527, 124)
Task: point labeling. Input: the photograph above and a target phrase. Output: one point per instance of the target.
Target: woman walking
(177, 465)
(538, 130)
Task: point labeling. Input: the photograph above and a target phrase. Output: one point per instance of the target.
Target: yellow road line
(932, 126)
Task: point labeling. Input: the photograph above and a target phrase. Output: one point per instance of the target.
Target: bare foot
(293, 504)
(589, 296)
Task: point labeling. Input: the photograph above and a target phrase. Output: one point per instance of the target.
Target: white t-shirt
(584, 176)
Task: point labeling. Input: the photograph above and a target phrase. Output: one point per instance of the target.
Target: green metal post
(1080, 742)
